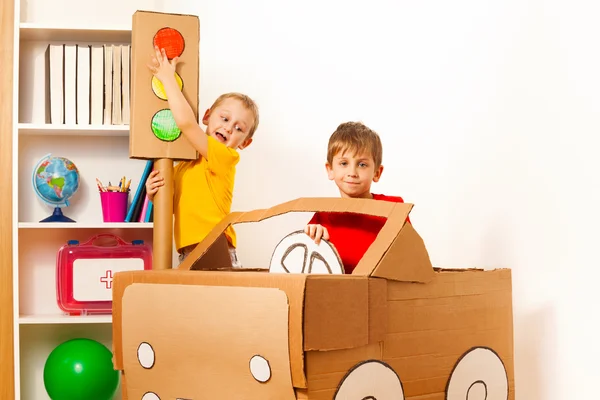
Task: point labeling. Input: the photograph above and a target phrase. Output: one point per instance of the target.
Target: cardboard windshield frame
(398, 253)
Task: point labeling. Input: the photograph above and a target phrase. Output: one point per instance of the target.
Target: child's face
(229, 123)
(353, 174)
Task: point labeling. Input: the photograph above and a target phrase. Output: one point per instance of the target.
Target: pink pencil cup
(114, 206)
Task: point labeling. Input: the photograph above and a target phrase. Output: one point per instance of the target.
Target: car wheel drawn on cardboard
(260, 369)
(297, 253)
(145, 355)
(163, 122)
(370, 380)
(479, 374)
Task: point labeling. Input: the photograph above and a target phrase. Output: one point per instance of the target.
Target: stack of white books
(89, 84)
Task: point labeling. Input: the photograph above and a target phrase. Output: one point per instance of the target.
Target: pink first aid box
(84, 271)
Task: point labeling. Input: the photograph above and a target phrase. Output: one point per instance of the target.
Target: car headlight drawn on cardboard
(394, 329)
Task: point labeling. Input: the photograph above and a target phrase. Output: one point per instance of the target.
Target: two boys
(203, 188)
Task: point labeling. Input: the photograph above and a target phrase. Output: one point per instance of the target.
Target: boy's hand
(160, 65)
(153, 183)
(316, 232)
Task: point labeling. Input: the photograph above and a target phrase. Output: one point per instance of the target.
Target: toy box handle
(93, 239)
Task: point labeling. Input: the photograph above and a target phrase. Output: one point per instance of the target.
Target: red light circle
(171, 40)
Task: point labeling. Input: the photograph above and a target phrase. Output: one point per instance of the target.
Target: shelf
(86, 225)
(64, 319)
(48, 32)
(73, 130)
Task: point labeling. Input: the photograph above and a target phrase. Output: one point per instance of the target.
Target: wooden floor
(7, 389)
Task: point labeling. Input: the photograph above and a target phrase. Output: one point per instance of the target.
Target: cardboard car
(396, 328)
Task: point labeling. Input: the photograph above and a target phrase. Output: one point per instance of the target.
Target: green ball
(80, 369)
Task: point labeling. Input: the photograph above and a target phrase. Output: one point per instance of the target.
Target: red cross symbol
(107, 279)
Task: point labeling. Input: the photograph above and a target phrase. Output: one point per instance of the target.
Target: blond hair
(356, 138)
(248, 103)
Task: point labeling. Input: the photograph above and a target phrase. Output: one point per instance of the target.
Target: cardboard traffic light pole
(153, 132)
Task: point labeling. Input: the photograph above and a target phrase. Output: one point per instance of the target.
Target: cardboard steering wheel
(297, 253)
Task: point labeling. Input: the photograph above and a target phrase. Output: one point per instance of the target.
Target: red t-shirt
(352, 234)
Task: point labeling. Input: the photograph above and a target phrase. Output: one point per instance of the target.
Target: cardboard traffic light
(154, 135)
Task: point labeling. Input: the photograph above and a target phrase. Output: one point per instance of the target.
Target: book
(70, 81)
(56, 72)
(83, 85)
(142, 217)
(108, 83)
(116, 86)
(97, 85)
(138, 193)
(125, 79)
(149, 212)
(139, 204)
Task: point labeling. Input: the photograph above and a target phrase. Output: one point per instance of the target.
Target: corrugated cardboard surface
(292, 285)
(397, 253)
(144, 103)
(406, 258)
(378, 317)
(325, 369)
(203, 339)
(429, 327)
(337, 306)
(325, 312)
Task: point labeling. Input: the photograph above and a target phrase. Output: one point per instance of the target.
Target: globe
(55, 181)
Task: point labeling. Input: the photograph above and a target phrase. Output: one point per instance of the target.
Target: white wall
(102, 13)
(488, 111)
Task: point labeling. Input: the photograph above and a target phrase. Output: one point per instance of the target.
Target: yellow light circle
(158, 88)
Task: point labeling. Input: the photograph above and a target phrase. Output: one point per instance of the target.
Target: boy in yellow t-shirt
(203, 188)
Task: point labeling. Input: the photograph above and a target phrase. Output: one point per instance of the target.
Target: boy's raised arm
(182, 112)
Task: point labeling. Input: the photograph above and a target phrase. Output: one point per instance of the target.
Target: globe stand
(57, 216)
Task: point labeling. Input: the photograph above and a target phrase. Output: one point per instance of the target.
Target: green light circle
(164, 126)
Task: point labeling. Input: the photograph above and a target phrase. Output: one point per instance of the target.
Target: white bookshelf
(42, 129)
(76, 225)
(48, 319)
(48, 32)
(98, 151)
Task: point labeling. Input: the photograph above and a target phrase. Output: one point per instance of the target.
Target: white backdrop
(488, 111)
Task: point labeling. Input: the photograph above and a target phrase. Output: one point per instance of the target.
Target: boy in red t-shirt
(354, 158)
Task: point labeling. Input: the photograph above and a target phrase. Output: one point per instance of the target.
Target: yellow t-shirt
(203, 191)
